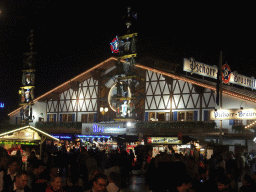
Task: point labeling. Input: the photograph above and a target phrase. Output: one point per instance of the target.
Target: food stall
(27, 135)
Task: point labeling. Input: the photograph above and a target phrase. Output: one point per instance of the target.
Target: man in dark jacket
(21, 181)
(7, 176)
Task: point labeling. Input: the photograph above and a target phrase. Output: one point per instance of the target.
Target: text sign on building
(236, 114)
(1, 105)
(164, 140)
(194, 67)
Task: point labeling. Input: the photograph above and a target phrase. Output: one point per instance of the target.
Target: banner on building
(236, 114)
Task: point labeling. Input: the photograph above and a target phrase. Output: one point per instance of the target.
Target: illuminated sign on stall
(224, 114)
(1, 105)
(194, 67)
(164, 140)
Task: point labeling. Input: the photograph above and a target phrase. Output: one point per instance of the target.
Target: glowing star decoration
(226, 73)
(114, 45)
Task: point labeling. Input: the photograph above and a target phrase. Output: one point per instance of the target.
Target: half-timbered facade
(161, 96)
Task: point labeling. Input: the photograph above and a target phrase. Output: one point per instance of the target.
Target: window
(238, 122)
(190, 116)
(152, 116)
(86, 118)
(67, 117)
(52, 117)
(167, 116)
(91, 117)
(181, 116)
(185, 115)
(161, 116)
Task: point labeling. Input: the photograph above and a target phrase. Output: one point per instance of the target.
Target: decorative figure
(28, 79)
(124, 109)
(32, 94)
(27, 95)
(23, 79)
(22, 96)
(33, 78)
(133, 45)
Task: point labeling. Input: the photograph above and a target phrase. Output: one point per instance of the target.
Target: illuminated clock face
(113, 94)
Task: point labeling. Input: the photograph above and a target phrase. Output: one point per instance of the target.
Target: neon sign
(1, 105)
(97, 129)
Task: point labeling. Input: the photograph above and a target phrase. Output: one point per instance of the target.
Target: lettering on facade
(100, 128)
(233, 114)
(194, 67)
(200, 68)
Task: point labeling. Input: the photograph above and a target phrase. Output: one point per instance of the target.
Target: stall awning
(26, 133)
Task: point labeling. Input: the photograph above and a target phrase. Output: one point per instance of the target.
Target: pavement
(137, 182)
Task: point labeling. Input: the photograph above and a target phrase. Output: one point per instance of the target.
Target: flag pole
(220, 92)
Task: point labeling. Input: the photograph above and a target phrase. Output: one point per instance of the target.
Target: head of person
(99, 182)
(247, 180)
(54, 170)
(56, 182)
(184, 183)
(222, 182)
(13, 165)
(38, 167)
(21, 179)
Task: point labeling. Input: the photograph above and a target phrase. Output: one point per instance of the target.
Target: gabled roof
(5, 135)
(79, 78)
(229, 90)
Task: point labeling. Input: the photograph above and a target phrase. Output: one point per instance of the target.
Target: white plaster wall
(251, 145)
(13, 118)
(39, 110)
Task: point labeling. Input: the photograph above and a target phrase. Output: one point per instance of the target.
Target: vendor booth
(27, 135)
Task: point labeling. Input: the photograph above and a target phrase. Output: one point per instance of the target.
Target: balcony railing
(60, 127)
(176, 127)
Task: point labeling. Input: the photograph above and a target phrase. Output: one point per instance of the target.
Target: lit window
(152, 116)
(52, 118)
(189, 116)
(181, 116)
(86, 118)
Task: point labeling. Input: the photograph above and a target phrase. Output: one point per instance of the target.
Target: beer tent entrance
(27, 135)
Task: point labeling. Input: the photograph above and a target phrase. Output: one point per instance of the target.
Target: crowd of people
(224, 172)
(97, 171)
(76, 170)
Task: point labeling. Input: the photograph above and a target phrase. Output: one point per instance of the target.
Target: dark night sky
(72, 36)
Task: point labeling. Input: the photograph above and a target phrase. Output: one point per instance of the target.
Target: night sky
(72, 36)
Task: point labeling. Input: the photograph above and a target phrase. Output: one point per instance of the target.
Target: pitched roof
(229, 90)
(8, 132)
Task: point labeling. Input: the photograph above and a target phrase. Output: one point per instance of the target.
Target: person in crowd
(7, 176)
(99, 183)
(21, 181)
(184, 184)
(32, 157)
(55, 184)
(223, 183)
(36, 183)
(19, 158)
(4, 156)
(248, 184)
(112, 182)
